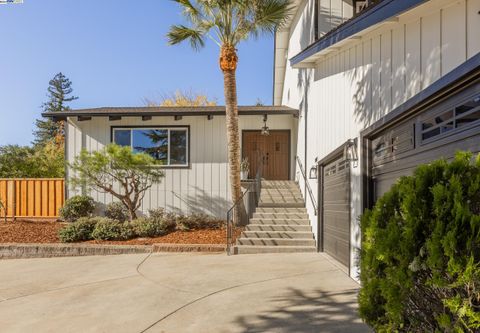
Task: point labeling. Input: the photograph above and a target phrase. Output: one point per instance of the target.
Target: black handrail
(310, 193)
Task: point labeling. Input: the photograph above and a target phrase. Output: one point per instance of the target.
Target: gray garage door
(336, 210)
(435, 133)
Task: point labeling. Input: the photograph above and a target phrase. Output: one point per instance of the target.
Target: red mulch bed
(29, 232)
(47, 232)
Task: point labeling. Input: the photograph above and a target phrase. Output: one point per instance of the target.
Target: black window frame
(159, 127)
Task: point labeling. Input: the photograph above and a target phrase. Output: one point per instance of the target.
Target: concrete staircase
(280, 223)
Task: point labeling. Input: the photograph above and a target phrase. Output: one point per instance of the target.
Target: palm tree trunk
(233, 137)
(228, 65)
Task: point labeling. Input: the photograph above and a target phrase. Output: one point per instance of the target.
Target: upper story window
(462, 115)
(167, 145)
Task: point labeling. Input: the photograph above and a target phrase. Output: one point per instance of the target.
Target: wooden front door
(272, 152)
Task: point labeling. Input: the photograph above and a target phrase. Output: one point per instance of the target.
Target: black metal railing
(307, 185)
(240, 213)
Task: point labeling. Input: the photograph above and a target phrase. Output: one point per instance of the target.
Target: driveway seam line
(222, 290)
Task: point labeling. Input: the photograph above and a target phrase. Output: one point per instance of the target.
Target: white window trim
(180, 128)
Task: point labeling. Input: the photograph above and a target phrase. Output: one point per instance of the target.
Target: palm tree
(227, 23)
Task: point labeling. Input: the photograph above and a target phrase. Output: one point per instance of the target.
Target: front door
(270, 154)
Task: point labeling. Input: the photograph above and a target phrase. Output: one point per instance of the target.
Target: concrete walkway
(174, 293)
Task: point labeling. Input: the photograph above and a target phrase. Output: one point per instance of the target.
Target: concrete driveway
(175, 293)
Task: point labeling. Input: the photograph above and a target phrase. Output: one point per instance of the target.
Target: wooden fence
(31, 197)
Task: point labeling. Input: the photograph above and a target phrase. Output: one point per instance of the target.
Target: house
(381, 86)
(191, 145)
(363, 92)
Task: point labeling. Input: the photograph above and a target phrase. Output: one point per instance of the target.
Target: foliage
(116, 211)
(228, 22)
(32, 162)
(59, 94)
(77, 207)
(197, 222)
(152, 227)
(119, 171)
(245, 165)
(182, 98)
(420, 261)
(108, 229)
(79, 231)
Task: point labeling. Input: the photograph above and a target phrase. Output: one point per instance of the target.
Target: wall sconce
(351, 152)
(265, 130)
(313, 174)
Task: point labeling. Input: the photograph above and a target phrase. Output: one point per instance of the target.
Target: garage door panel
(447, 127)
(336, 210)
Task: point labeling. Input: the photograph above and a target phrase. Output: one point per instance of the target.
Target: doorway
(271, 153)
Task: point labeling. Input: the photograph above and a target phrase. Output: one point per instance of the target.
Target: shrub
(152, 227)
(108, 229)
(117, 211)
(197, 221)
(79, 231)
(77, 207)
(420, 260)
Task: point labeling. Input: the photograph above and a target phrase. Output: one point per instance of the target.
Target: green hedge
(420, 260)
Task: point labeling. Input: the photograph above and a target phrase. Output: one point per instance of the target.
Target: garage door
(435, 133)
(336, 210)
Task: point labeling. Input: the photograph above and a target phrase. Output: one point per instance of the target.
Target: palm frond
(181, 33)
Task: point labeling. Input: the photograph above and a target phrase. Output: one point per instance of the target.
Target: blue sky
(115, 53)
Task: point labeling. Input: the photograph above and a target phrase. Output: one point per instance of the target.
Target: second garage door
(336, 210)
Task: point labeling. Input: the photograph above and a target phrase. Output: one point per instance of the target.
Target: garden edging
(19, 251)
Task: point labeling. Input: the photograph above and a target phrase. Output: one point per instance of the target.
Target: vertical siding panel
(431, 48)
(376, 77)
(473, 27)
(453, 36)
(386, 72)
(398, 66)
(412, 59)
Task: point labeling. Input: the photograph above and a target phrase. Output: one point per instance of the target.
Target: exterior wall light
(265, 130)
(313, 174)
(351, 153)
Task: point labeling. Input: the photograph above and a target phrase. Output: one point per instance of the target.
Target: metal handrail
(238, 212)
(310, 192)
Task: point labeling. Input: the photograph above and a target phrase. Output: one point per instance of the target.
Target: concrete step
(278, 227)
(277, 234)
(275, 242)
(279, 185)
(281, 199)
(281, 204)
(249, 249)
(280, 210)
(289, 222)
(283, 216)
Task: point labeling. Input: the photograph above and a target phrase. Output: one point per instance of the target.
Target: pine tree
(59, 94)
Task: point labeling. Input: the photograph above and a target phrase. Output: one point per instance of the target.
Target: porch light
(265, 130)
(313, 172)
(351, 153)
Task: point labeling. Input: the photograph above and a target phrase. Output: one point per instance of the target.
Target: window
(167, 145)
(462, 115)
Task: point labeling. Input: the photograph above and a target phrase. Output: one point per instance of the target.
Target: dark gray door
(336, 210)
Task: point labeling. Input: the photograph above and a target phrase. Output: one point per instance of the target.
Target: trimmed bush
(108, 229)
(152, 227)
(420, 260)
(197, 222)
(78, 231)
(117, 211)
(77, 207)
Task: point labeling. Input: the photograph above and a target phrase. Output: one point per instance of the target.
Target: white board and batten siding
(203, 187)
(360, 82)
